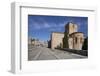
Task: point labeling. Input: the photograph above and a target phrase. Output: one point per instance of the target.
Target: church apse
(72, 38)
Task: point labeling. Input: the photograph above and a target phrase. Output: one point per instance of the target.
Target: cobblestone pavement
(43, 53)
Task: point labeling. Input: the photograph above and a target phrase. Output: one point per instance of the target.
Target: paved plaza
(44, 53)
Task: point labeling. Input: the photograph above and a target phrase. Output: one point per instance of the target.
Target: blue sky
(40, 26)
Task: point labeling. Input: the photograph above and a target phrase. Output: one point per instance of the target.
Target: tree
(85, 44)
(65, 40)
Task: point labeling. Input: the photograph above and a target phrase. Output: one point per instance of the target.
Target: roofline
(58, 32)
(76, 32)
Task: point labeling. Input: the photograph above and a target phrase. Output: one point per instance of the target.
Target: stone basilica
(71, 38)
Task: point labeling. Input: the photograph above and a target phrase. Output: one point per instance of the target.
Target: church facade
(71, 38)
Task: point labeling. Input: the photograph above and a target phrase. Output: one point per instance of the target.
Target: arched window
(76, 40)
(81, 40)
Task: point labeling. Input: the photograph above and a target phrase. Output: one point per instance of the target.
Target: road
(43, 53)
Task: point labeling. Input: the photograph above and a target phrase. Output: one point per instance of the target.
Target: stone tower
(72, 38)
(69, 29)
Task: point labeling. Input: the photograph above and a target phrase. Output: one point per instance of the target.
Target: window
(81, 40)
(76, 40)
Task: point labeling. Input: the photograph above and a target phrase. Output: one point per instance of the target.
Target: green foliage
(33, 39)
(65, 42)
(85, 44)
(60, 46)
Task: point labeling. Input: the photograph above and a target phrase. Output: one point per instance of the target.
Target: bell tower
(69, 29)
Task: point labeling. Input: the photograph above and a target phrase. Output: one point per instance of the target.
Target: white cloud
(46, 25)
(40, 24)
(54, 29)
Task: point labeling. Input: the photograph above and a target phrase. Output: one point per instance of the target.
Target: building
(71, 38)
(76, 40)
(33, 41)
(56, 40)
(29, 40)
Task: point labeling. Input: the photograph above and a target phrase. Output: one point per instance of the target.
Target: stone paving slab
(43, 53)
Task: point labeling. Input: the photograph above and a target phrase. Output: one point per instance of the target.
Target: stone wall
(56, 40)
